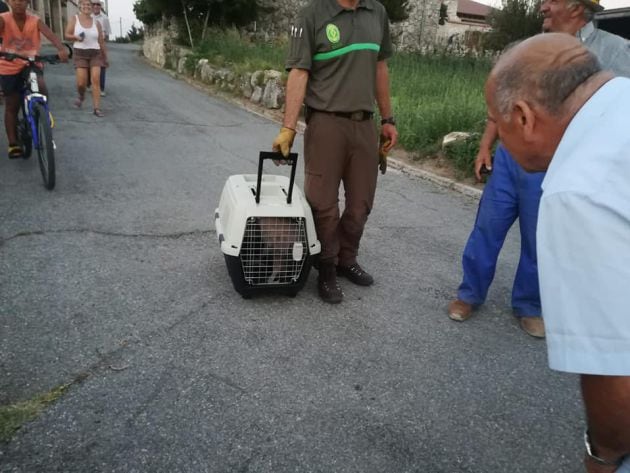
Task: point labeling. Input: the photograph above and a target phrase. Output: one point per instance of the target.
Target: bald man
(556, 110)
(512, 193)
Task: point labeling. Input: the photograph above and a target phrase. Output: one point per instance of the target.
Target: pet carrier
(266, 231)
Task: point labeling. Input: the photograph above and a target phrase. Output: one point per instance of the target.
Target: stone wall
(265, 88)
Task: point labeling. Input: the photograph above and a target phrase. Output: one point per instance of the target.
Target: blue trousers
(510, 193)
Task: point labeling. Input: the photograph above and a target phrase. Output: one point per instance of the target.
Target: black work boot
(327, 284)
(356, 274)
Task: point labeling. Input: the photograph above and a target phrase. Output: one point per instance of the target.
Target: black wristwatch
(593, 455)
(388, 120)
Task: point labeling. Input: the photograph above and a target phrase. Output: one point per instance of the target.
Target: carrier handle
(276, 156)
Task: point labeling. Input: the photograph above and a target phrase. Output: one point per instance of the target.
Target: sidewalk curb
(393, 163)
(441, 181)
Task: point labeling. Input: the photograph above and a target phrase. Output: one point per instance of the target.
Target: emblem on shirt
(332, 33)
(296, 32)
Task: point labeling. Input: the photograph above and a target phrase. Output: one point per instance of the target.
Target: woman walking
(90, 53)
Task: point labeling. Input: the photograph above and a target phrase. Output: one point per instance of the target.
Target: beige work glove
(382, 154)
(284, 141)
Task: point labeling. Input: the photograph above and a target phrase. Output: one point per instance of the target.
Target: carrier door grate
(273, 250)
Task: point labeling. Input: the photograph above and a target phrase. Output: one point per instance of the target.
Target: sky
(121, 16)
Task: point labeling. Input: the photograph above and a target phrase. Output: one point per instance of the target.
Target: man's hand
(63, 54)
(593, 467)
(389, 137)
(483, 159)
(284, 141)
(382, 154)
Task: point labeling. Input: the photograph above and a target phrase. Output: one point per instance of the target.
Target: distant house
(472, 13)
(461, 22)
(616, 21)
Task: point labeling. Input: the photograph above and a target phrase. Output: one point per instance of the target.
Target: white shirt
(612, 51)
(104, 21)
(90, 40)
(584, 239)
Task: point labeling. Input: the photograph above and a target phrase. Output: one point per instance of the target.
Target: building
(55, 13)
(461, 23)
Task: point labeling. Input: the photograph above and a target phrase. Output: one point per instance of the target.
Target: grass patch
(227, 48)
(462, 154)
(12, 417)
(435, 95)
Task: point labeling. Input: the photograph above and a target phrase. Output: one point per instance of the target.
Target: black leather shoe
(356, 274)
(329, 289)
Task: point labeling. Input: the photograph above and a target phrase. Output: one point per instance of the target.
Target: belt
(359, 116)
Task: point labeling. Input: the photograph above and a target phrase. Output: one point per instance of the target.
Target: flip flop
(78, 103)
(98, 113)
(15, 152)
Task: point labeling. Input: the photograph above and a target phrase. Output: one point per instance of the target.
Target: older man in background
(556, 110)
(512, 193)
(98, 15)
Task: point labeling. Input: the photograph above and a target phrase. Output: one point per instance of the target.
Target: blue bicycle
(35, 122)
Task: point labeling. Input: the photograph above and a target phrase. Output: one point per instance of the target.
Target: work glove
(284, 141)
(382, 154)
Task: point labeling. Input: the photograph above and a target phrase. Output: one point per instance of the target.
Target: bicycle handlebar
(49, 58)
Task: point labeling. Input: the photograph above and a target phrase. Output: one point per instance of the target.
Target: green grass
(435, 95)
(226, 48)
(431, 95)
(12, 417)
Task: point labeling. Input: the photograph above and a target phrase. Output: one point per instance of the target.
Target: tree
(151, 11)
(397, 10)
(517, 19)
(198, 15)
(135, 34)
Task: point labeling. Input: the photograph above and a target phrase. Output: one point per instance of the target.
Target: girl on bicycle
(20, 32)
(90, 53)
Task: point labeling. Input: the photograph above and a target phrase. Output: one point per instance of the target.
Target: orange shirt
(25, 42)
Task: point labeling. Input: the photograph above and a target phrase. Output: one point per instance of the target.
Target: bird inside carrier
(274, 250)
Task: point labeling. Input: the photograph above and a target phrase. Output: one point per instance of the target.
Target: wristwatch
(593, 455)
(388, 120)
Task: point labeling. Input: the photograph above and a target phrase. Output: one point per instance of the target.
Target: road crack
(172, 236)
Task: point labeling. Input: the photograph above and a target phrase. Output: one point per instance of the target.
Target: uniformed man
(512, 193)
(337, 69)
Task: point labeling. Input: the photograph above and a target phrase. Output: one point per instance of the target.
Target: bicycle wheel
(24, 135)
(45, 148)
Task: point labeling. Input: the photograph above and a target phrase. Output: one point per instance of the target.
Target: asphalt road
(115, 282)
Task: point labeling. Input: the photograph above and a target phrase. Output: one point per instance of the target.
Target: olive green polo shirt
(340, 49)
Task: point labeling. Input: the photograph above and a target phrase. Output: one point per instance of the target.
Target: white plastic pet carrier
(266, 231)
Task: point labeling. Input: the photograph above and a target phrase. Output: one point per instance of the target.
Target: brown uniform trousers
(338, 149)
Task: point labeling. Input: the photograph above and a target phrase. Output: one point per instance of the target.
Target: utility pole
(121, 35)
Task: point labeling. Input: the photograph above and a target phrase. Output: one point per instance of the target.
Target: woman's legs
(82, 75)
(95, 75)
